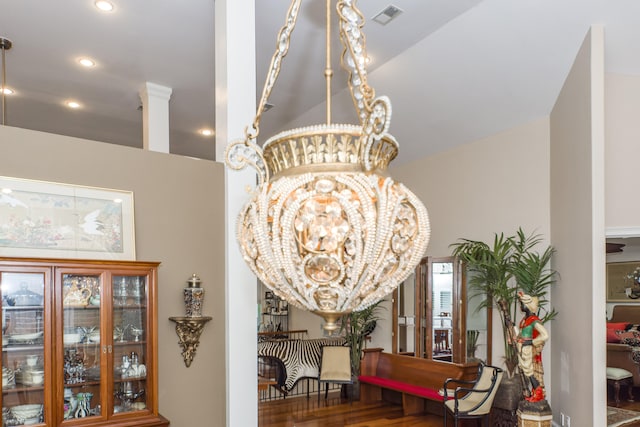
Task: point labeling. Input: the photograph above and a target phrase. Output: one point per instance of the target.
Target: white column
(155, 117)
(235, 108)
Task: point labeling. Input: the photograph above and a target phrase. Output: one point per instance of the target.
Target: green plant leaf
(497, 272)
(356, 326)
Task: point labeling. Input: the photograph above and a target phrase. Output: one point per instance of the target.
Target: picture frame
(268, 295)
(619, 287)
(50, 219)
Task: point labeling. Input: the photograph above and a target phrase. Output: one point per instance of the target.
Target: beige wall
(577, 211)
(179, 221)
(493, 185)
(622, 150)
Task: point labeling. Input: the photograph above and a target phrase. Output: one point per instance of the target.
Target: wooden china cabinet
(79, 343)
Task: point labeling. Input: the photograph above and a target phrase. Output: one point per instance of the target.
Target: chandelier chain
(283, 41)
(354, 56)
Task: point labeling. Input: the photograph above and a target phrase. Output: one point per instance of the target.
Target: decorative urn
(193, 297)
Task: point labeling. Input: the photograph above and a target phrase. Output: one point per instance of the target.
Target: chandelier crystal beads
(327, 229)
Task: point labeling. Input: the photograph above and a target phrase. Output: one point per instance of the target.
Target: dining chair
(472, 399)
(335, 367)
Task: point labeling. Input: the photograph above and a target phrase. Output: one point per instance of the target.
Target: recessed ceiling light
(206, 132)
(73, 104)
(104, 5)
(86, 62)
(8, 91)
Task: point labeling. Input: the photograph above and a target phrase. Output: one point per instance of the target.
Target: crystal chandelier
(327, 229)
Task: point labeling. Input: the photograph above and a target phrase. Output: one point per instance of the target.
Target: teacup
(37, 378)
(32, 360)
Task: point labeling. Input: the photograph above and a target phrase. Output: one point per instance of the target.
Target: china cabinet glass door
(83, 355)
(129, 332)
(24, 333)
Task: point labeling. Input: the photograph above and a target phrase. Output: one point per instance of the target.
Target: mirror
(442, 330)
(404, 309)
(434, 319)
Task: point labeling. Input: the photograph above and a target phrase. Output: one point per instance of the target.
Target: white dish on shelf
(72, 338)
(29, 377)
(138, 406)
(26, 412)
(26, 337)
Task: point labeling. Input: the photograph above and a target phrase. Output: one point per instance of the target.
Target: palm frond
(356, 326)
(499, 271)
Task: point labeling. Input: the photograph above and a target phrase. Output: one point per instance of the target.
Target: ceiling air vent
(388, 14)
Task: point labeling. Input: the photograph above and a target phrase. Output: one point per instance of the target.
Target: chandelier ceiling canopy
(327, 229)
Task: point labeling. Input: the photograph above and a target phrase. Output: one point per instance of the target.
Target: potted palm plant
(356, 326)
(472, 343)
(497, 272)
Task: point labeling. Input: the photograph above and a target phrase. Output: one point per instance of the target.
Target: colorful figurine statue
(530, 341)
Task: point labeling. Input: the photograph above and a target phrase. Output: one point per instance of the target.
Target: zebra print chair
(335, 367)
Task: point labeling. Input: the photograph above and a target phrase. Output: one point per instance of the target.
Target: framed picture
(621, 286)
(47, 219)
(268, 295)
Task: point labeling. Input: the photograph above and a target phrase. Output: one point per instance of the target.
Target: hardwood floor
(337, 412)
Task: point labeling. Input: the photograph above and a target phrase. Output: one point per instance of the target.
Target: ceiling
(455, 70)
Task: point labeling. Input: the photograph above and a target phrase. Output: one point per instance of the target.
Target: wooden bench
(417, 380)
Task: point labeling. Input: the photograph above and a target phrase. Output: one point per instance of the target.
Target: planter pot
(352, 390)
(509, 394)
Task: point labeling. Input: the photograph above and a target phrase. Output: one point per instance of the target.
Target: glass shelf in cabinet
(118, 307)
(81, 307)
(129, 343)
(9, 308)
(22, 347)
(82, 345)
(82, 384)
(22, 389)
(118, 380)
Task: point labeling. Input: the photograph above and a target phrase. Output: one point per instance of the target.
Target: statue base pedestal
(534, 414)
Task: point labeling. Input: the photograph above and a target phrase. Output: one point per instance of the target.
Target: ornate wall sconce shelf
(190, 327)
(189, 330)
